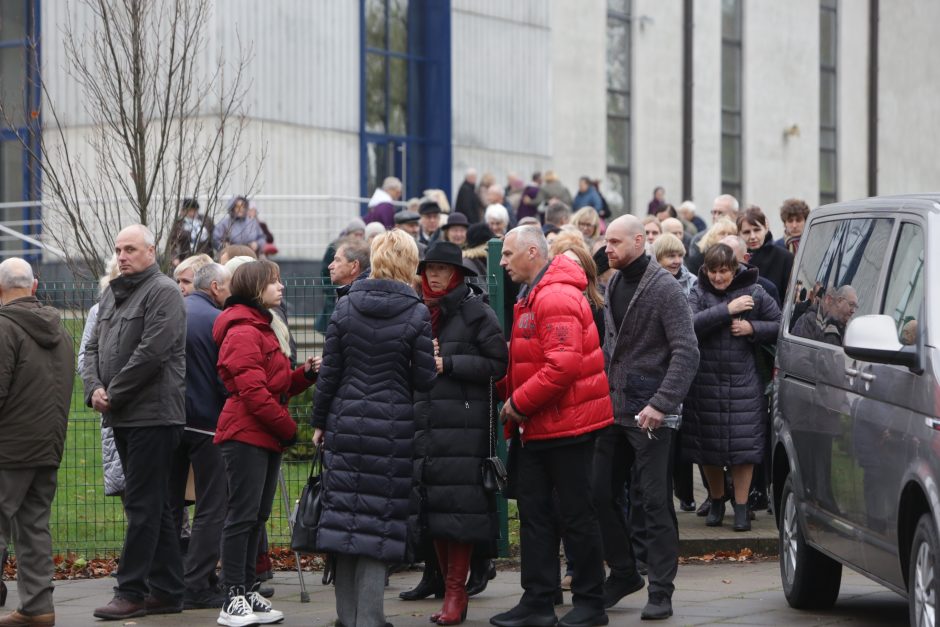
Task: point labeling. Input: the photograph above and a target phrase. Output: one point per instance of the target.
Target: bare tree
(164, 126)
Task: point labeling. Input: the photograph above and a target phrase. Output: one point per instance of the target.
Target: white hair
(15, 274)
(734, 201)
(531, 235)
(390, 183)
(497, 213)
(373, 229)
(687, 204)
(496, 188)
(192, 263)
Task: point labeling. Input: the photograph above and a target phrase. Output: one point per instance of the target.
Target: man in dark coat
(36, 378)
(468, 202)
(651, 355)
(135, 364)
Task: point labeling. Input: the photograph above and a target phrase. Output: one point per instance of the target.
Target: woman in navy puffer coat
(724, 412)
(378, 353)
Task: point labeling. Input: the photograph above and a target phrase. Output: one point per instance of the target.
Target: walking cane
(304, 596)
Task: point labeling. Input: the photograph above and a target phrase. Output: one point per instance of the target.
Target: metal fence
(87, 523)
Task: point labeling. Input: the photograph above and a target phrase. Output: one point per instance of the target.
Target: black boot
(481, 571)
(716, 514)
(742, 520)
(432, 582)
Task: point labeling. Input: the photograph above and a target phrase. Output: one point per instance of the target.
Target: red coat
(258, 378)
(556, 366)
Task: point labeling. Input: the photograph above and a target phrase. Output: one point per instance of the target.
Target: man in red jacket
(557, 397)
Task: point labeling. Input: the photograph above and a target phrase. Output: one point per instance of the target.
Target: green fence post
(497, 291)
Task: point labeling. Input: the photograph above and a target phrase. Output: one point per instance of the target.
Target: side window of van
(839, 269)
(905, 293)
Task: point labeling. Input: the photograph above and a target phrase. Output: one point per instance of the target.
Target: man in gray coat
(36, 378)
(134, 369)
(652, 356)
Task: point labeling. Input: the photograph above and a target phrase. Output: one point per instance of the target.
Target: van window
(905, 294)
(841, 263)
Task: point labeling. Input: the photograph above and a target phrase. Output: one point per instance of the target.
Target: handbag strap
(316, 465)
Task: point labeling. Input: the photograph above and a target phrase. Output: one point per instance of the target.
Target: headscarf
(432, 298)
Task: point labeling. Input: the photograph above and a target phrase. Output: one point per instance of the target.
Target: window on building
(19, 94)
(618, 102)
(828, 156)
(732, 166)
(405, 97)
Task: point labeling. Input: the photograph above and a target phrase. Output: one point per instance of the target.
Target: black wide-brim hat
(445, 252)
(456, 219)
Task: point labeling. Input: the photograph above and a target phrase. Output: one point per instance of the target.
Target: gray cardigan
(653, 357)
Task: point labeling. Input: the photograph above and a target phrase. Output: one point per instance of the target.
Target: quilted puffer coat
(378, 352)
(556, 367)
(453, 421)
(724, 419)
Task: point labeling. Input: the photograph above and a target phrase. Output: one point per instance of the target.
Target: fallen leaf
(725, 581)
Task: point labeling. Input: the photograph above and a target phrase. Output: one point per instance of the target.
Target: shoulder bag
(495, 477)
(309, 506)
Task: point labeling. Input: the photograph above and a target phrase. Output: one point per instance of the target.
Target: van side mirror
(875, 338)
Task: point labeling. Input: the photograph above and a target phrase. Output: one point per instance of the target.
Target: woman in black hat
(455, 231)
(453, 422)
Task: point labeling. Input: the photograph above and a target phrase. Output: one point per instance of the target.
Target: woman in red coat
(254, 428)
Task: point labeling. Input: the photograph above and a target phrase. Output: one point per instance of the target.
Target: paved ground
(739, 594)
(697, 539)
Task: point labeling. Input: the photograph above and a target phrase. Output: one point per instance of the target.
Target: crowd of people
(632, 352)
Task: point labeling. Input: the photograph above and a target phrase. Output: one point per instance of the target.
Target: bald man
(133, 373)
(36, 377)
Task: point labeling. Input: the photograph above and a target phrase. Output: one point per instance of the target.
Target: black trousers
(617, 450)
(150, 561)
(566, 469)
(211, 501)
(252, 480)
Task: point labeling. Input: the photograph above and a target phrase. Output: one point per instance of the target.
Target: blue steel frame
(428, 137)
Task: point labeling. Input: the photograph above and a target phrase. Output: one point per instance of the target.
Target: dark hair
(251, 279)
(190, 203)
(793, 208)
(670, 209)
(752, 215)
(718, 257)
(658, 188)
(237, 250)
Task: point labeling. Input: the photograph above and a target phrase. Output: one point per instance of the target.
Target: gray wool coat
(653, 357)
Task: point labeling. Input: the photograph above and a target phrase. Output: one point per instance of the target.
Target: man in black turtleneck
(652, 356)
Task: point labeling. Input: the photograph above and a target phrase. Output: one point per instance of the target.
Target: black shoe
(616, 588)
(3, 593)
(658, 607)
(716, 513)
(742, 521)
(481, 572)
(209, 598)
(704, 507)
(642, 568)
(686, 506)
(521, 616)
(582, 616)
(757, 499)
(431, 583)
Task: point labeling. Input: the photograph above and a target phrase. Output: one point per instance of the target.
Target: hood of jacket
(381, 298)
(561, 269)
(745, 277)
(239, 311)
(40, 323)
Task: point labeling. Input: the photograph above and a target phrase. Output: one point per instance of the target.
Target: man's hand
(508, 413)
(318, 436)
(100, 401)
(650, 418)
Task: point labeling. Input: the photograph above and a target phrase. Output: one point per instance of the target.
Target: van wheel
(923, 576)
(810, 579)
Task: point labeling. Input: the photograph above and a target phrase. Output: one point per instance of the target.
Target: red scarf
(432, 298)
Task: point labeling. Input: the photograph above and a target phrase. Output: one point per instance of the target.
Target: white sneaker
(237, 613)
(263, 610)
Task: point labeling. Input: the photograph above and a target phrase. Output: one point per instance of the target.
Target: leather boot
(440, 549)
(432, 582)
(454, 611)
(482, 570)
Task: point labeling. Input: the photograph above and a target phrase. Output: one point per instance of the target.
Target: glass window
(905, 293)
(398, 96)
(375, 93)
(618, 102)
(13, 14)
(398, 26)
(375, 23)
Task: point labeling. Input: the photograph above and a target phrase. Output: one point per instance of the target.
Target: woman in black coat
(453, 422)
(773, 262)
(378, 353)
(724, 412)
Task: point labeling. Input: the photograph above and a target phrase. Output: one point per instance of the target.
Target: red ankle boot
(440, 549)
(454, 611)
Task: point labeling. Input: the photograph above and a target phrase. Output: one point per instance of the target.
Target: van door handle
(867, 376)
(852, 372)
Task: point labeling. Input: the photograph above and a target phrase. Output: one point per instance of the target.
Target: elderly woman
(723, 227)
(453, 422)
(497, 218)
(724, 413)
(378, 352)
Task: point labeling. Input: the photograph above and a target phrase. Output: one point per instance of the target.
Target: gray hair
(734, 201)
(557, 213)
(205, 275)
(391, 183)
(496, 212)
(193, 263)
(531, 235)
(356, 250)
(15, 274)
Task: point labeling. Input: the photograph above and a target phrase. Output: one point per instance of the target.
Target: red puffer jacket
(258, 378)
(556, 366)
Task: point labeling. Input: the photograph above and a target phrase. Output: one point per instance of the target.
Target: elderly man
(185, 273)
(382, 203)
(430, 222)
(652, 356)
(556, 400)
(725, 206)
(36, 377)
(205, 396)
(467, 201)
(135, 363)
(350, 263)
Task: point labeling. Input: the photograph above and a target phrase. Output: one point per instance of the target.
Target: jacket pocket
(637, 391)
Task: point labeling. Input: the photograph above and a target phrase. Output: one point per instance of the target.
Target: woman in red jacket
(254, 428)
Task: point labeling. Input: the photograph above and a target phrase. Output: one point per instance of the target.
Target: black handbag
(307, 513)
(495, 477)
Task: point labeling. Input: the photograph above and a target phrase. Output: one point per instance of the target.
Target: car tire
(923, 582)
(810, 579)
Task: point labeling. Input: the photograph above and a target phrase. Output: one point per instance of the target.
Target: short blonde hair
(667, 244)
(722, 228)
(193, 263)
(394, 255)
(587, 214)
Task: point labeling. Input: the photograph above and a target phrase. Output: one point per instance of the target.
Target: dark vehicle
(856, 410)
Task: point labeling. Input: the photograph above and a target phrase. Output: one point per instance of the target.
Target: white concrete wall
(852, 78)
